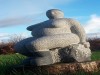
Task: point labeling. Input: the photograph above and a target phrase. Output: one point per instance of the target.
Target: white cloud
(17, 21)
(93, 25)
(5, 37)
(19, 8)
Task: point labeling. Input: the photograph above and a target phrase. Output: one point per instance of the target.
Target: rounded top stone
(54, 13)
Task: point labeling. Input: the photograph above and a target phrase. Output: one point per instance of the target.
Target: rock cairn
(56, 40)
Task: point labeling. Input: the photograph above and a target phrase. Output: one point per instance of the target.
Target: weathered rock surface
(72, 67)
(56, 40)
(73, 53)
(80, 53)
(20, 47)
(64, 68)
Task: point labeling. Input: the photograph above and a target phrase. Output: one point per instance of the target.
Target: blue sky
(16, 15)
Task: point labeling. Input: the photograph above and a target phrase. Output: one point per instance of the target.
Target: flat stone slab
(64, 68)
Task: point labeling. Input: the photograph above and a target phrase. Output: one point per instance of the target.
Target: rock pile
(56, 40)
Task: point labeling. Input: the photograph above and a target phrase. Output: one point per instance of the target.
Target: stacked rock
(54, 40)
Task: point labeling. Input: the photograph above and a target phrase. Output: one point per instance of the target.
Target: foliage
(8, 47)
(94, 44)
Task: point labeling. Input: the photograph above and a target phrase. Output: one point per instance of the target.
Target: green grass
(8, 61)
(95, 55)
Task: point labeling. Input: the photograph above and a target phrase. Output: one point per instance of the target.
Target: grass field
(95, 55)
(7, 61)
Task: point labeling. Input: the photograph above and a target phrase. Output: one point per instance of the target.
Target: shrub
(94, 43)
(8, 47)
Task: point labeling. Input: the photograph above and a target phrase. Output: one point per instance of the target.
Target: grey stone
(58, 39)
(49, 31)
(38, 59)
(45, 59)
(80, 53)
(20, 47)
(54, 13)
(49, 42)
(62, 55)
(72, 53)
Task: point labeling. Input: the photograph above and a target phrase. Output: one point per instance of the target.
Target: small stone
(80, 53)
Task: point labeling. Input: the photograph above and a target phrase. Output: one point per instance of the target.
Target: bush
(94, 43)
(8, 47)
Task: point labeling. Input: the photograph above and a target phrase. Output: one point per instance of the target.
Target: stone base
(72, 53)
(63, 68)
